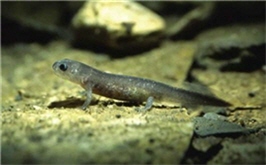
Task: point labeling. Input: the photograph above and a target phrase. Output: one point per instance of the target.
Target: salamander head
(69, 69)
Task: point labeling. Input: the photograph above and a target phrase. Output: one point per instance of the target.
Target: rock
(209, 126)
(244, 150)
(117, 25)
(190, 23)
(233, 48)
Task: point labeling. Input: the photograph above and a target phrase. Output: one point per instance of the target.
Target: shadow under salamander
(77, 103)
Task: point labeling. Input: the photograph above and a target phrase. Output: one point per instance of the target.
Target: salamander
(128, 88)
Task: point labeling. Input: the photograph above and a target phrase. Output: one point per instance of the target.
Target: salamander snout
(54, 65)
(68, 69)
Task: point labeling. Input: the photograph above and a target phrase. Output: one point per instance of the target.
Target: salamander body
(128, 88)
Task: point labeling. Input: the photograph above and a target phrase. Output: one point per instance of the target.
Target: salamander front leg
(148, 105)
(88, 99)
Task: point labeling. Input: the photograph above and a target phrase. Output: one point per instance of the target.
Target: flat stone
(208, 126)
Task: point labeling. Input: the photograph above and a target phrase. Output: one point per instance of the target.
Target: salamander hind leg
(148, 105)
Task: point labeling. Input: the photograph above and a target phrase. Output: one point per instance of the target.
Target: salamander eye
(63, 67)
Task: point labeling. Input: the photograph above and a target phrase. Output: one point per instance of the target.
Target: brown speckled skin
(128, 88)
